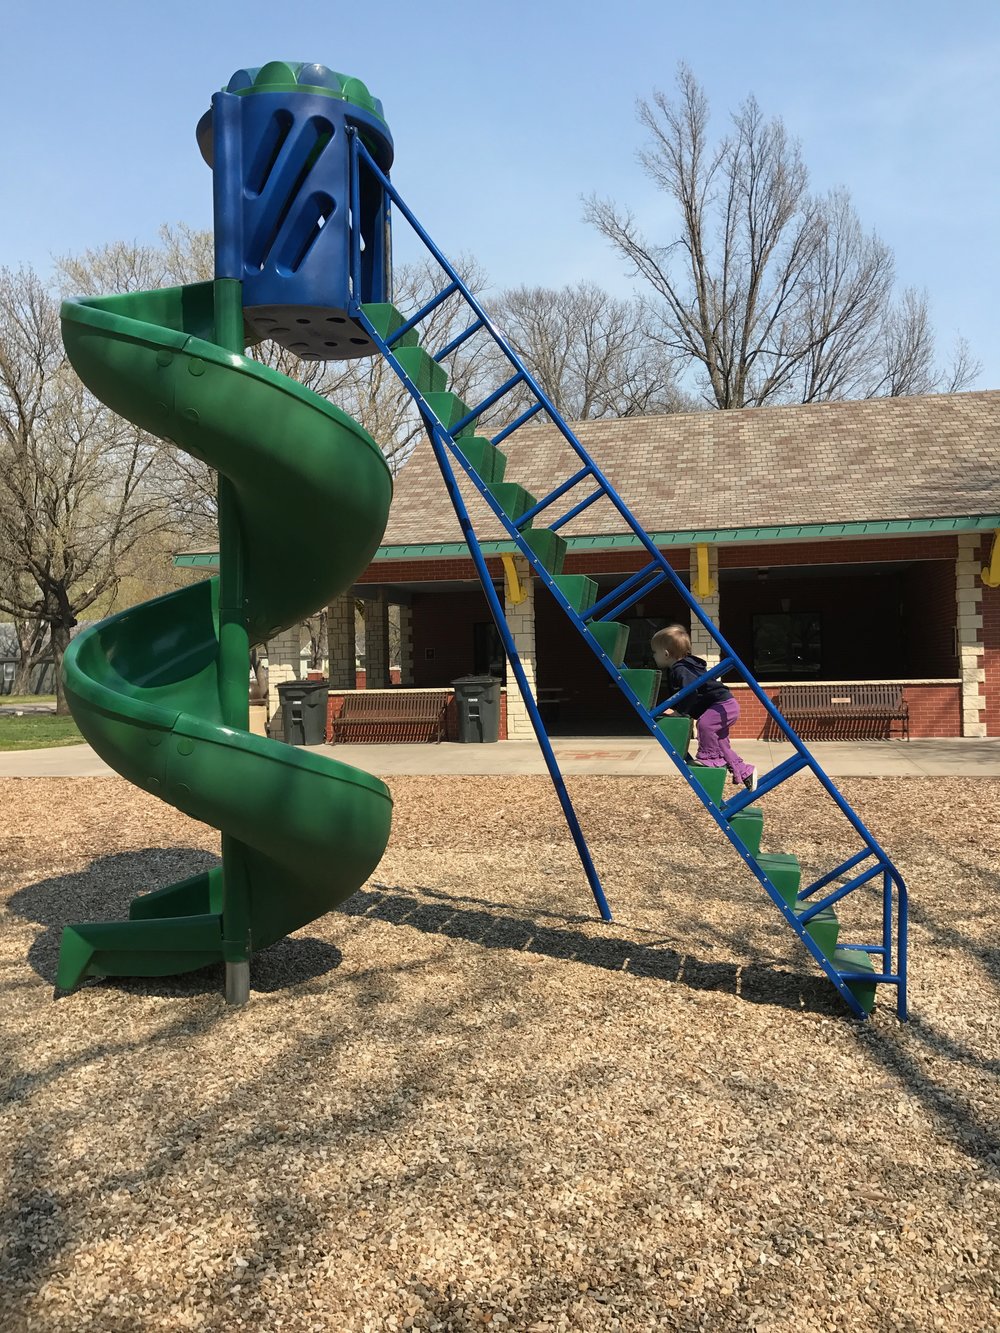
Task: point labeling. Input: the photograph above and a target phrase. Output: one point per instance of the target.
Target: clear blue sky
(504, 114)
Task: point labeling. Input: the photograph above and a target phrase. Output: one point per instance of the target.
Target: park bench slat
(846, 703)
(376, 716)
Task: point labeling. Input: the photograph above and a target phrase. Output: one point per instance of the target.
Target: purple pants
(714, 750)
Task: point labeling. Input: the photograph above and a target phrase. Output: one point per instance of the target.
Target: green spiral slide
(307, 498)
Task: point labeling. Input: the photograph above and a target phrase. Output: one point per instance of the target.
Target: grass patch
(19, 700)
(38, 731)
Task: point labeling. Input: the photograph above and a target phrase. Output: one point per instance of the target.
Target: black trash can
(303, 710)
(477, 699)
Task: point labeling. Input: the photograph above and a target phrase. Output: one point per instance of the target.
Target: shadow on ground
(103, 891)
(494, 929)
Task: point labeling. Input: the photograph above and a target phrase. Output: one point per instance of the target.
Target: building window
(487, 651)
(787, 645)
(638, 653)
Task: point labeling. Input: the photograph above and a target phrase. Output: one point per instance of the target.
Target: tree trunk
(60, 642)
(32, 648)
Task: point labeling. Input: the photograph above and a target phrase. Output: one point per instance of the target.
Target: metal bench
(850, 707)
(385, 716)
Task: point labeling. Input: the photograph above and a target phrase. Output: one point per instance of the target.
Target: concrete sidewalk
(626, 756)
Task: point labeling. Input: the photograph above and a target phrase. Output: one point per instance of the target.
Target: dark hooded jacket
(683, 672)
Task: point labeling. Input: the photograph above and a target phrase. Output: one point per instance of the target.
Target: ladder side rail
(360, 152)
(887, 920)
(439, 439)
(902, 931)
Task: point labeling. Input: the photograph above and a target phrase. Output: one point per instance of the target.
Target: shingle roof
(886, 458)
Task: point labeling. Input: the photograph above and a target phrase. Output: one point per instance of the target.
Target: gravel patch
(464, 1103)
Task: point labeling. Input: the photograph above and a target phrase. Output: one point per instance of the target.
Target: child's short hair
(673, 639)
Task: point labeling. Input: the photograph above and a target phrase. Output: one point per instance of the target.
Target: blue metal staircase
(854, 969)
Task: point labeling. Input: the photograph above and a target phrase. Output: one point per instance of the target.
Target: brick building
(841, 542)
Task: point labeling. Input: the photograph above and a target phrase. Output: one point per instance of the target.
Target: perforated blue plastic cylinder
(283, 217)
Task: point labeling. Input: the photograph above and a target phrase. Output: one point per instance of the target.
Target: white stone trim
(521, 619)
(702, 644)
(342, 652)
(969, 625)
(377, 638)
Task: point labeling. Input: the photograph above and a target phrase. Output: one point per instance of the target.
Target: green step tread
(856, 960)
(784, 872)
(823, 929)
(386, 320)
(484, 457)
(422, 369)
(579, 591)
(612, 638)
(677, 727)
(748, 825)
(644, 684)
(449, 409)
(712, 780)
(548, 547)
(513, 499)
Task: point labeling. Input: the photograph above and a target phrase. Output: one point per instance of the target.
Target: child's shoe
(750, 781)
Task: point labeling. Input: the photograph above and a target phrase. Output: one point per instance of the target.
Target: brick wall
(930, 618)
(859, 550)
(443, 626)
(627, 559)
(991, 658)
(935, 710)
(361, 678)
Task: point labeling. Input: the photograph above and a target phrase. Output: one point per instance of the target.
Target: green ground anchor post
(234, 659)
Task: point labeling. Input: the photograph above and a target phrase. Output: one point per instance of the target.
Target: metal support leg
(496, 608)
(237, 983)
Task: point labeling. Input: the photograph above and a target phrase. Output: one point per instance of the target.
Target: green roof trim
(895, 527)
(196, 560)
(900, 527)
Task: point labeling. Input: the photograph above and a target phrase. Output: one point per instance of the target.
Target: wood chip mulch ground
(463, 1103)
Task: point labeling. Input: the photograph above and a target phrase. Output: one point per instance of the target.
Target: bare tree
(184, 255)
(589, 351)
(772, 294)
(74, 493)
